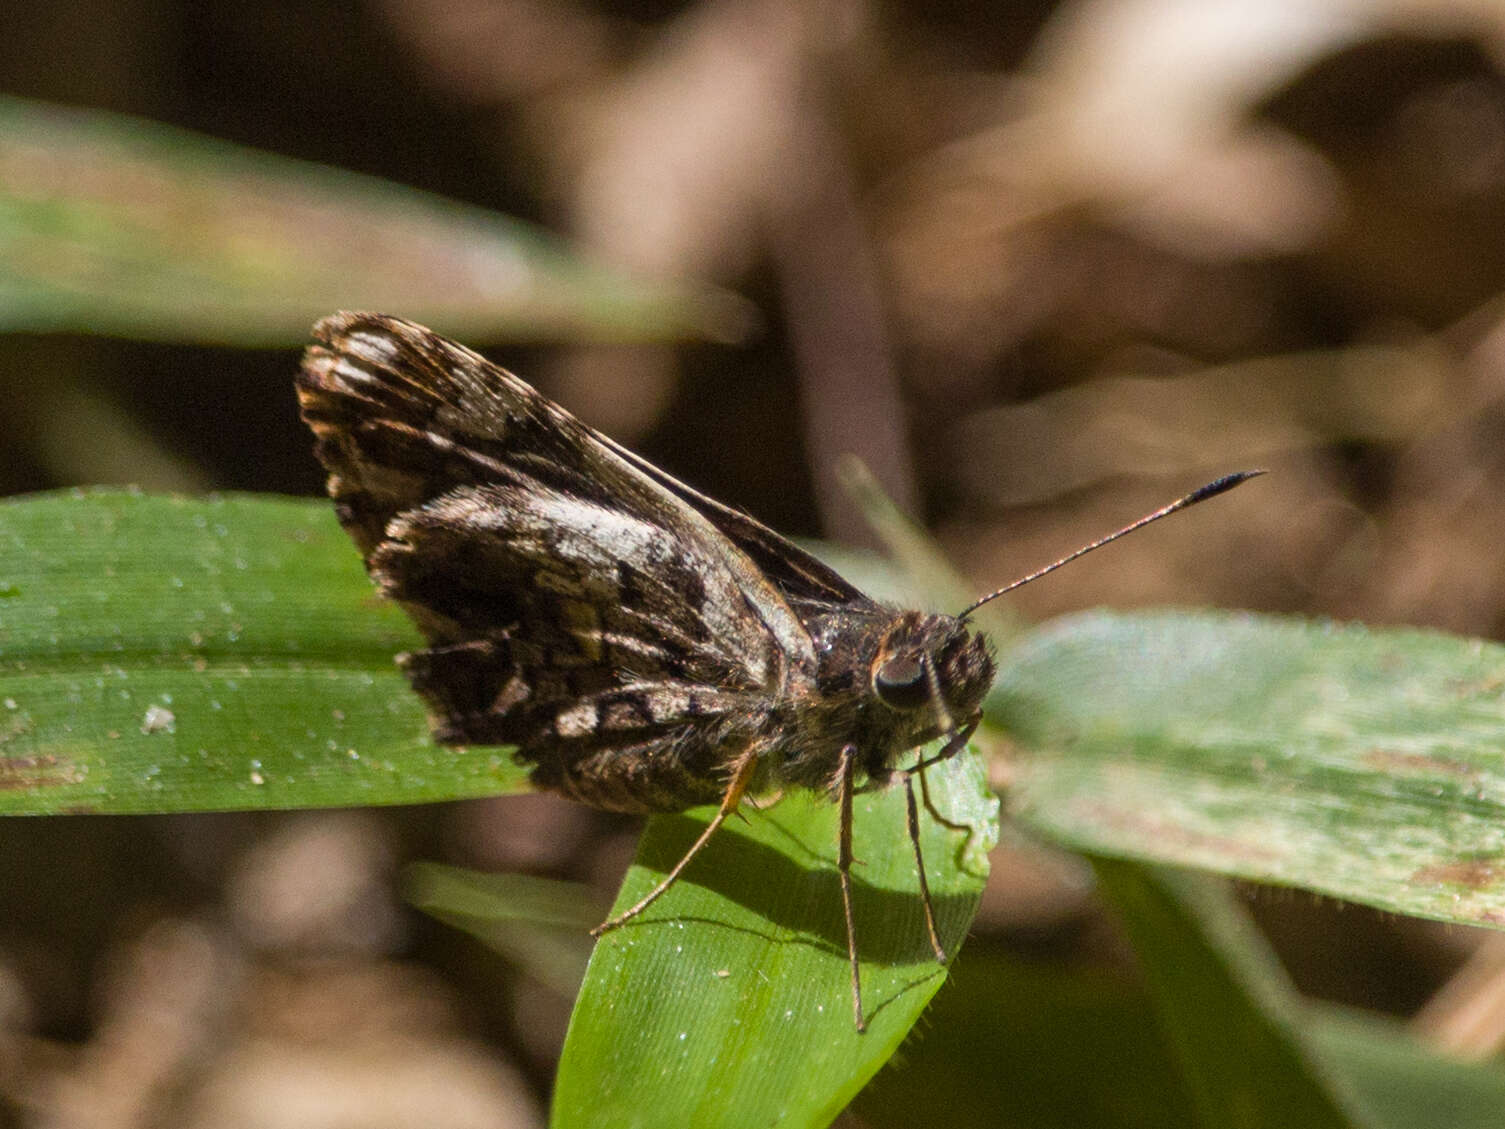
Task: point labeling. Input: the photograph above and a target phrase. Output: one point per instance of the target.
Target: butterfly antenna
(1211, 490)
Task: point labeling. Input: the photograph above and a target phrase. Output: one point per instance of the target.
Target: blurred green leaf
(165, 654)
(1011, 1044)
(1407, 1084)
(729, 1002)
(116, 225)
(1019, 1045)
(541, 925)
(1363, 763)
(479, 896)
(1224, 1003)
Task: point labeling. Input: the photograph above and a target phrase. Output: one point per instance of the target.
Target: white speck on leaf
(158, 719)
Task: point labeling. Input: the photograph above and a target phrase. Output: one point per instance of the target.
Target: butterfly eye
(901, 683)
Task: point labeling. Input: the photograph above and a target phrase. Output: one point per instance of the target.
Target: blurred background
(1043, 266)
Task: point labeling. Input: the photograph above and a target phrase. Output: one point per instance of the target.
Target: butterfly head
(934, 667)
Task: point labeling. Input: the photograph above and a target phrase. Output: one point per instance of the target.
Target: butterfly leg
(741, 778)
(912, 820)
(935, 812)
(912, 816)
(844, 871)
(954, 744)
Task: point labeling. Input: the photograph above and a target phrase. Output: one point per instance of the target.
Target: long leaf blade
(728, 1003)
(111, 224)
(1224, 1004)
(1363, 763)
(166, 654)
(1025, 1043)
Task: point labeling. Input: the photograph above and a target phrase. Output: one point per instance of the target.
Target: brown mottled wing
(574, 604)
(795, 573)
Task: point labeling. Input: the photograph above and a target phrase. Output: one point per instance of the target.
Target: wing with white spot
(545, 568)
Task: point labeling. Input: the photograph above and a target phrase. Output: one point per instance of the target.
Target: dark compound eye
(901, 683)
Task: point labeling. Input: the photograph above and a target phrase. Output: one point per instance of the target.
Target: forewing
(545, 567)
(403, 416)
(796, 574)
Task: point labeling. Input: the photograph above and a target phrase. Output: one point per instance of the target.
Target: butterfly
(644, 647)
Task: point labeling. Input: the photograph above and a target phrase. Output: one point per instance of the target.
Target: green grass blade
(541, 925)
(111, 224)
(1031, 1045)
(1366, 764)
(165, 654)
(1020, 1044)
(1228, 1011)
(728, 1003)
(1407, 1084)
